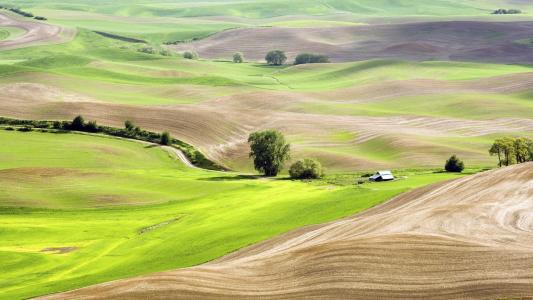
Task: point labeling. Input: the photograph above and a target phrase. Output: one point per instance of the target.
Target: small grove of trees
(238, 58)
(306, 169)
(512, 150)
(502, 11)
(276, 58)
(454, 164)
(310, 58)
(269, 151)
(190, 55)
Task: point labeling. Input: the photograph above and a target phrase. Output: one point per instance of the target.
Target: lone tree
(269, 150)
(276, 57)
(238, 58)
(78, 123)
(306, 169)
(165, 138)
(454, 164)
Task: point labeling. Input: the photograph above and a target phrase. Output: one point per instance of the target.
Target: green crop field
(78, 209)
(119, 208)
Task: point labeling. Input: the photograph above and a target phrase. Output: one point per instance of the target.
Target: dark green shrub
(310, 58)
(78, 123)
(454, 164)
(190, 55)
(238, 58)
(91, 127)
(306, 169)
(165, 138)
(9, 128)
(25, 129)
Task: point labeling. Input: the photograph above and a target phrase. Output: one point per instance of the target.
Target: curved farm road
(36, 32)
(468, 238)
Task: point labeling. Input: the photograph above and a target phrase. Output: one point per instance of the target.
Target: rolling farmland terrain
(408, 84)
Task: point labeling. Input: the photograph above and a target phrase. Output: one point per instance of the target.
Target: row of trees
(274, 57)
(270, 151)
(502, 11)
(512, 150)
(23, 13)
(278, 58)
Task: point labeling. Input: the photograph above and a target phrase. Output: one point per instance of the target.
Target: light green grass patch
(11, 33)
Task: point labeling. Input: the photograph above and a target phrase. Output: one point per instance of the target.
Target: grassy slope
(9, 33)
(98, 194)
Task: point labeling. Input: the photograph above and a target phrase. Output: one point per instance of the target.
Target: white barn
(382, 176)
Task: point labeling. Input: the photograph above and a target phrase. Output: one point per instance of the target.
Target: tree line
(273, 58)
(130, 131)
(511, 150)
(23, 13)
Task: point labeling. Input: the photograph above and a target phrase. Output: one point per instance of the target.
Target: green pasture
(9, 33)
(121, 208)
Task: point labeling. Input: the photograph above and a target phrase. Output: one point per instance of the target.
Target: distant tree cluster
(151, 50)
(310, 58)
(502, 11)
(276, 58)
(23, 13)
(190, 55)
(512, 150)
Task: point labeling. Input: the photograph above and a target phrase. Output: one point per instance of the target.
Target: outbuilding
(382, 176)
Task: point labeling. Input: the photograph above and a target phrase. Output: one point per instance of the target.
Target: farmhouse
(382, 176)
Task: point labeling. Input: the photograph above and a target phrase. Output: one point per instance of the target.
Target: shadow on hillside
(235, 177)
(151, 146)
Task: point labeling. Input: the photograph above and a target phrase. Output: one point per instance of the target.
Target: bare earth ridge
(36, 32)
(453, 40)
(468, 238)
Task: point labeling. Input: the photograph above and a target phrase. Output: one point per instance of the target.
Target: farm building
(382, 176)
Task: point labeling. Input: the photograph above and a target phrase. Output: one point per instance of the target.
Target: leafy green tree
(269, 150)
(306, 169)
(530, 149)
(165, 138)
(78, 123)
(238, 57)
(521, 149)
(310, 58)
(454, 164)
(276, 57)
(504, 148)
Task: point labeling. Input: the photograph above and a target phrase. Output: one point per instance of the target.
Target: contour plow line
(468, 238)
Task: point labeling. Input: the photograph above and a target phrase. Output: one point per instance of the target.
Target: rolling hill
(468, 238)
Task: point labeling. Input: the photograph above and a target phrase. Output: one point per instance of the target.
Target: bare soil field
(464, 239)
(36, 32)
(453, 40)
(220, 127)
